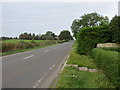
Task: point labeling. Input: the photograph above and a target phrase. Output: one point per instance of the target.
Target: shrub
(108, 62)
(88, 38)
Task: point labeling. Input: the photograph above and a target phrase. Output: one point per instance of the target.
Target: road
(34, 69)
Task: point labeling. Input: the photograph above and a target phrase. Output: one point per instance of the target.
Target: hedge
(109, 62)
(88, 37)
(111, 48)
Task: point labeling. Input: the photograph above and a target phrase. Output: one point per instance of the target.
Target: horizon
(38, 18)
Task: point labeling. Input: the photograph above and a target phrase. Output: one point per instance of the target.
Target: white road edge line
(28, 57)
(38, 82)
(65, 63)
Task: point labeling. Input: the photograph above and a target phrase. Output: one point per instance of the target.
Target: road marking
(53, 65)
(39, 81)
(50, 68)
(28, 57)
(46, 50)
(34, 86)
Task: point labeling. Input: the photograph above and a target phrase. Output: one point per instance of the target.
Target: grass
(80, 60)
(23, 50)
(71, 77)
(18, 40)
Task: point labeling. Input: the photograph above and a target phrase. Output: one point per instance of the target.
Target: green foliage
(80, 60)
(71, 77)
(108, 61)
(88, 20)
(14, 46)
(48, 36)
(88, 38)
(65, 35)
(111, 48)
(115, 28)
(29, 36)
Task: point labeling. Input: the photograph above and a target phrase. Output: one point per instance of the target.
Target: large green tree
(65, 35)
(115, 28)
(88, 20)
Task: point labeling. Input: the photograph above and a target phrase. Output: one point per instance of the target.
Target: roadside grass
(80, 60)
(71, 77)
(23, 50)
(19, 40)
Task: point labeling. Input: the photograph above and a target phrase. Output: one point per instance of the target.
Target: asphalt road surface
(34, 69)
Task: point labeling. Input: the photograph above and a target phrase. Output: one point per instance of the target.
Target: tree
(48, 36)
(115, 28)
(88, 20)
(65, 35)
(43, 37)
(33, 36)
(25, 36)
(37, 37)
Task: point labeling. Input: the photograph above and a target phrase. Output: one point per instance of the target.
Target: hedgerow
(88, 38)
(111, 48)
(109, 62)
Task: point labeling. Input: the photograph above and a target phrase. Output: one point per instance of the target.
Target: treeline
(64, 35)
(7, 38)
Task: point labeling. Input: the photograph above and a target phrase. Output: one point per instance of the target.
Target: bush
(88, 38)
(108, 62)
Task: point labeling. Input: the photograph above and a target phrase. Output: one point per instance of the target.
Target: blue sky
(39, 17)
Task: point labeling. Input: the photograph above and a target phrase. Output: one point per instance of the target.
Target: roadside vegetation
(71, 77)
(21, 46)
(90, 30)
(30, 41)
(80, 60)
(109, 62)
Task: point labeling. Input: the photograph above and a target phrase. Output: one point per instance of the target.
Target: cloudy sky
(39, 17)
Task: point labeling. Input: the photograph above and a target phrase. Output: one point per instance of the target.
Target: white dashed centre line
(46, 50)
(28, 57)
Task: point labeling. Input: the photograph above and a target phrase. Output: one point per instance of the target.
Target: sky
(39, 17)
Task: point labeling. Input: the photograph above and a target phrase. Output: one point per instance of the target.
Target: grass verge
(80, 60)
(71, 77)
(23, 50)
